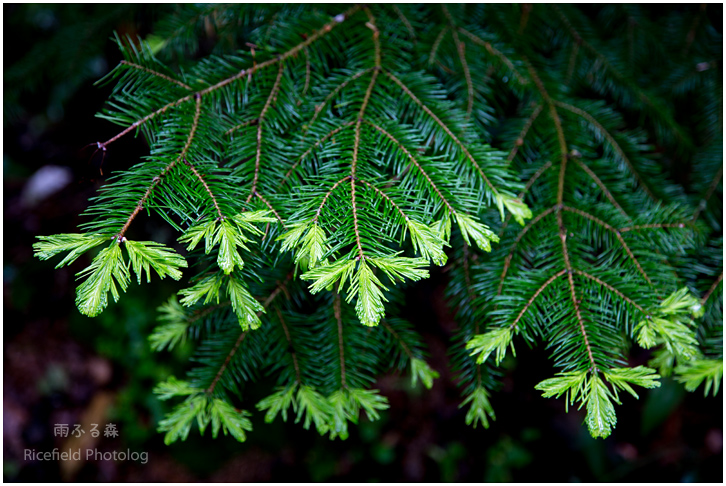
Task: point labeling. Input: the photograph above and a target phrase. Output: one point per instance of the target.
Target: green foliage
(349, 145)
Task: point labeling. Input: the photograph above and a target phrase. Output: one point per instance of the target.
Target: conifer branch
(535, 295)
(241, 125)
(617, 234)
(339, 321)
(327, 195)
(573, 296)
(291, 348)
(508, 260)
(307, 72)
(336, 90)
(558, 128)
(245, 72)
(331, 133)
(520, 139)
(158, 179)
(445, 128)
(436, 44)
(241, 338)
(206, 187)
(613, 143)
(415, 163)
(709, 193)
(651, 226)
(402, 17)
(269, 206)
(710, 290)
(157, 74)
(400, 341)
(571, 62)
(460, 48)
(386, 197)
(613, 290)
(260, 122)
(356, 144)
(602, 186)
(494, 52)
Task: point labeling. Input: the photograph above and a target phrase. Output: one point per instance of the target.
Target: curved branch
(536, 294)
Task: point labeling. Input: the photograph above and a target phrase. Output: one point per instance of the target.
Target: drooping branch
(331, 133)
(319, 108)
(327, 195)
(709, 193)
(573, 296)
(558, 128)
(613, 290)
(711, 290)
(496, 53)
(508, 260)
(242, 336)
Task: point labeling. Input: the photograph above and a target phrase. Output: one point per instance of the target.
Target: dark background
(62, 367)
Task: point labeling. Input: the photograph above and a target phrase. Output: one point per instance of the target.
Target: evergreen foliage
(327, 155)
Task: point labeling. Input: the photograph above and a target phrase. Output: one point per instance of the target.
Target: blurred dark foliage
(60, 367)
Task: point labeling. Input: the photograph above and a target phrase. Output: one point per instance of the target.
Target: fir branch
(327, 195)
(617, 234)
(531, 300)
(496, 53)
(448, 131)
(155, 73)
(602, 186)
(336, 90)
(339, 322)
(710, 290)
(711, 188)
(523, 134)
(317, 144)
(260, 122)
(291, 348)
(558, 128)
(508, 259)
(613, 143)
(415, 163)
(206, 187)
(460, 48)
(436, 44)
(159, 178)
(386, 197)
(247, 123)
(241, 338)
